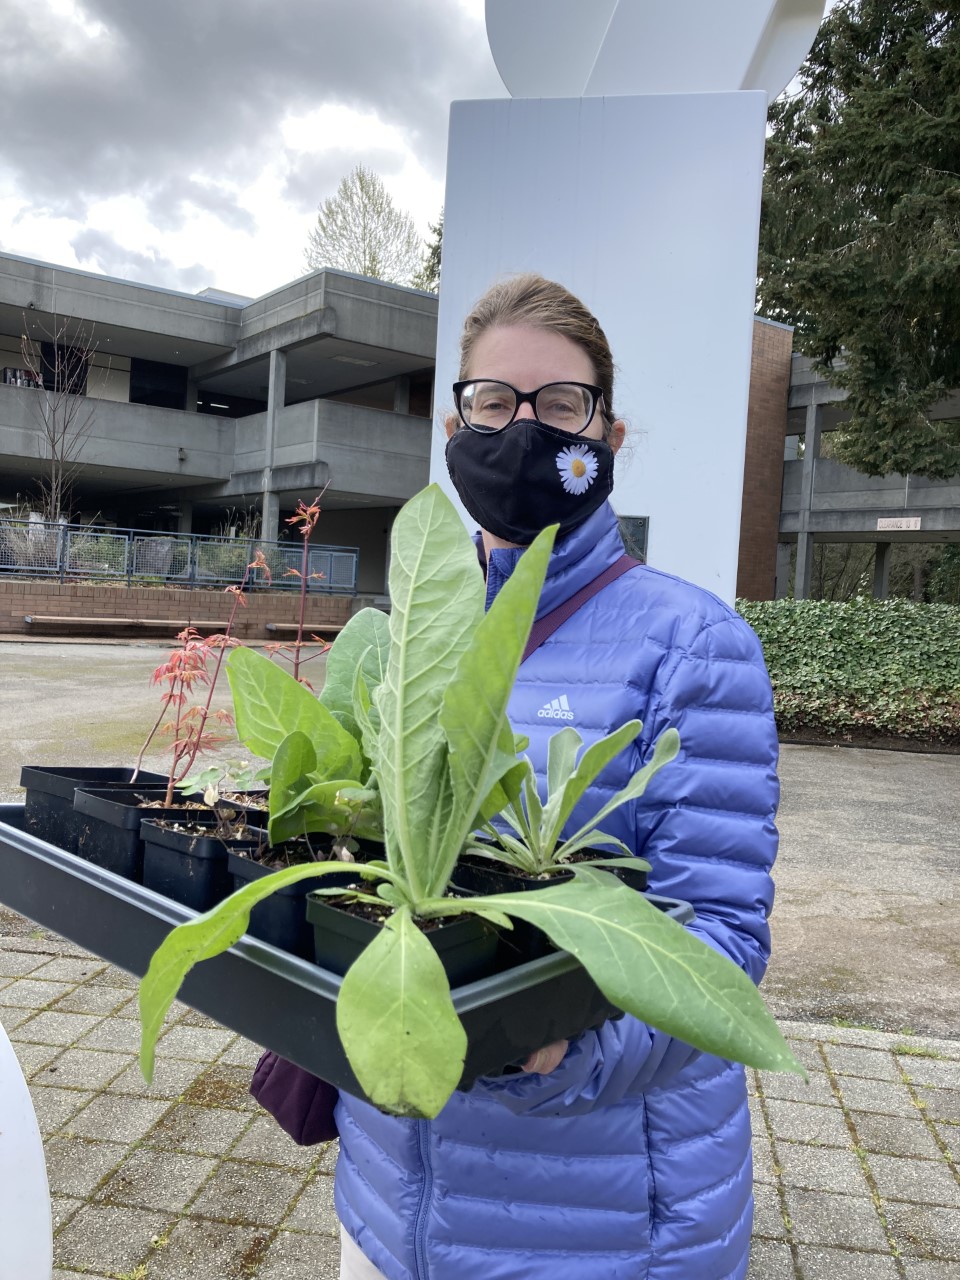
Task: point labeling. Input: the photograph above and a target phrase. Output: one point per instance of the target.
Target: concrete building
(825, 501)
(208, 405)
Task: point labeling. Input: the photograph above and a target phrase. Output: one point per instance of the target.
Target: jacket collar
(576, 560)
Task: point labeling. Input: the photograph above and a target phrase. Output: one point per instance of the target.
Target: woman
(624, 1154)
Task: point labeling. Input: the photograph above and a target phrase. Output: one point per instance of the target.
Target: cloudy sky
(187, 143)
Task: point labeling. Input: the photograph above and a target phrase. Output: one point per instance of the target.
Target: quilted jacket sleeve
(706, 824)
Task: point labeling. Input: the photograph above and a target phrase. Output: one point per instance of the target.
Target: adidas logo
(558, 709)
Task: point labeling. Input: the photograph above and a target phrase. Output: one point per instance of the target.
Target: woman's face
(527, 357)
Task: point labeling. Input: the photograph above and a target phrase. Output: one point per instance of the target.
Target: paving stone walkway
(857, 1173)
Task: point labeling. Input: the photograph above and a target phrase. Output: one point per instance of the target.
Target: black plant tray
(274, 998)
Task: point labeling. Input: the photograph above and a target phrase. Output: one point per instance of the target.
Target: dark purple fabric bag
(301, 1104)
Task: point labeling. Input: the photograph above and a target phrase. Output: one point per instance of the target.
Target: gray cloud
(169, 204)
(99, 251)
(182, 87)
(317, 176)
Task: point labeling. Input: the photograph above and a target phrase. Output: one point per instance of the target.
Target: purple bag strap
(544, 627)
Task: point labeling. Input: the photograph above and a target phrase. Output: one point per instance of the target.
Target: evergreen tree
(860, 238)
(428, 277)
(360, 229)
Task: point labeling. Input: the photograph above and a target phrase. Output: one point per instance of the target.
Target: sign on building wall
(898, 522)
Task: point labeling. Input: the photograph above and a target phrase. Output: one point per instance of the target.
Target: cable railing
(139, 557)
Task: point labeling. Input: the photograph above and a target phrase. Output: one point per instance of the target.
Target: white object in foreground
(26, 1226)
(572, 48)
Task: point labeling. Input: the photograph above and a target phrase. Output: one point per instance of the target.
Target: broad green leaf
(563, 799)
(474, 710)
(666, 748)
(202, 939)
(269, 704)
(653, 968)
(303, 797)
(362, 645)
(398, 1025)
(436, 590)
(321, 807)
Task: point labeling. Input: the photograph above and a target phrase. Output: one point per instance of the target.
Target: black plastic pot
(482, 875)
(108, 825)
(49, 805)
(525, 941)
(467, 946)
(274, 998)
(280, 919)
(187, 867)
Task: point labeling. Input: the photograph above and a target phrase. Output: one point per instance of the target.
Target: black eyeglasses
(487, 406)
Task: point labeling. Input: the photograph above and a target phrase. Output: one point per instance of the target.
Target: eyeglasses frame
(528, 397)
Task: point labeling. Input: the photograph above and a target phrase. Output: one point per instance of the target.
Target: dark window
(421, 393)
(163, 385)
(227, 406)
(63, 368)
(633, 530)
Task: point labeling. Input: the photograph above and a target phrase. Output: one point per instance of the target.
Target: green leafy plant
(435, 731)
(874, 667)
(535, 846)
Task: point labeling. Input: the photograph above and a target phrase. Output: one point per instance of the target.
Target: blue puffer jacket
(632, 1160)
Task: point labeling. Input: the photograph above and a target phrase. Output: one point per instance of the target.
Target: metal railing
(38, 548)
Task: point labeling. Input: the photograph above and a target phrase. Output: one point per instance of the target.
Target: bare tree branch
(65, 411)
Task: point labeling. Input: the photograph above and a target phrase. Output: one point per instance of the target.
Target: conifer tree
(860, 238)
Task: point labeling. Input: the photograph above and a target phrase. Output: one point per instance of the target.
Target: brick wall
(163, 608)
(763, 464)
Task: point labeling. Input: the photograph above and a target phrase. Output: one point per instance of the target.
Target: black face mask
(516, 481)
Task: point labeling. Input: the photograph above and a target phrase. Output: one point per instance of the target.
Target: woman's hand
(547, 1059)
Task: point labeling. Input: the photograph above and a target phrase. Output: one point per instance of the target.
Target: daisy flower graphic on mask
(577, 467)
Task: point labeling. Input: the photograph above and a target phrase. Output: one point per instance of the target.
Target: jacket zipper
(423, 1208)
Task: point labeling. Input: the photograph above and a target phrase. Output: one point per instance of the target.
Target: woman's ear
(450, 424)
(615, 434)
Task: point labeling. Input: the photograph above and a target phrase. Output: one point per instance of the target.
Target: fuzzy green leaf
(561, 758)
(564, 798)
(201, 939)
(504, 794)
(397, 1023)
(436, 589)
(666, 748)
(653, 968)
(474, 710)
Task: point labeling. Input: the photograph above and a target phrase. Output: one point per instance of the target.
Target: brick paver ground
(857, 1174)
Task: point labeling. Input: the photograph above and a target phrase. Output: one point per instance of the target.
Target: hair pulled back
(530, 299)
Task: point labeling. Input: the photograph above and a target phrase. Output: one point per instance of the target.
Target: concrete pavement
(857, 1173)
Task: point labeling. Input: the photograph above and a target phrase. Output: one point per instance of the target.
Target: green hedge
(862, 667)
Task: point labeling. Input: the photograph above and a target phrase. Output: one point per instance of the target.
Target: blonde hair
(532, 300)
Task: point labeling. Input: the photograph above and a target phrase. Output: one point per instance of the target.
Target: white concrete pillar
(811, 451)
(784, 558)
(881, 570)
(276, 398)
(638, 205)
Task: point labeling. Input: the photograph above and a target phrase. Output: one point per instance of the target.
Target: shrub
(843, 668)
